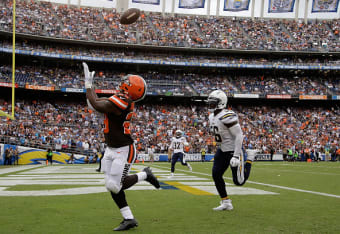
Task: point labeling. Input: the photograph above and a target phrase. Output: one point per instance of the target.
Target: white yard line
(16, 168)
(269, 185)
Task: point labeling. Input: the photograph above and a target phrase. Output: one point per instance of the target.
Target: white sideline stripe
(274, 186)
(70, 191)
(53, 182)
(294, 189)
(236, 190)
(17, 168)
(70, 176)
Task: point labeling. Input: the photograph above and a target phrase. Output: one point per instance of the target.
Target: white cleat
(171, 175)
(190, 168)
(224, 205)
(251, 153)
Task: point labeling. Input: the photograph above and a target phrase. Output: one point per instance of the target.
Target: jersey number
(218, 137)
(126, 124)
(106, 123)
(177, 145)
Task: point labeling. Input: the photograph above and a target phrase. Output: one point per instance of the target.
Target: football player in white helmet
(177, 147)
(228, 134)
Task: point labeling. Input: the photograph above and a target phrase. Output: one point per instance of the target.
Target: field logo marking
(94, 182)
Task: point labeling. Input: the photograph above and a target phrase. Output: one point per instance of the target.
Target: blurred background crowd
(185, 83)
(93, 24)
(72, 127)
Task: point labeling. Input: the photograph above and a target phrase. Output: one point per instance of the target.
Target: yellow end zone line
(189, 189)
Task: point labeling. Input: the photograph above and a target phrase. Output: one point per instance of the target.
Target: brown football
(130, 16)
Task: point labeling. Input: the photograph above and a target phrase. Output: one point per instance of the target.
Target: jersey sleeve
(229, 119)
(171, 144)
(120, 101)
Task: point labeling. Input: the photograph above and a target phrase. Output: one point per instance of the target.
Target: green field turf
(306, 200)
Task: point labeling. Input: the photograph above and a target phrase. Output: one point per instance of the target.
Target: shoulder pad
(228, 114)
(120, 101)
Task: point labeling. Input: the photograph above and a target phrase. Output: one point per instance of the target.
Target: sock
(129, 181)
(141, 176)
(126, 212)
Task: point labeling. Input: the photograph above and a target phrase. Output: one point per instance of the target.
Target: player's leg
(146, 174)
(221, 163)
(116, 168)
(174, 159)
(100, 163)
(241, 173)
(183, 161)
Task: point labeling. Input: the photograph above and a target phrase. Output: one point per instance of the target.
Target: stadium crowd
(163, 83)
(75, 128)
(93, 24)
(166, 56)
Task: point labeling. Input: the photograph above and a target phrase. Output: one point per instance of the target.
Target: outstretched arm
(103, 105)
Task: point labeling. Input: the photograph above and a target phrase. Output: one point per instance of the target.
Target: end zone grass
(177, 211)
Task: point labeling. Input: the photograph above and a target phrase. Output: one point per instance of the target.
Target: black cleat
(98, 170)
(151, 178)
(126, 224)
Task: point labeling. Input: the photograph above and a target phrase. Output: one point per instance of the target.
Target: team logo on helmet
(134, 86)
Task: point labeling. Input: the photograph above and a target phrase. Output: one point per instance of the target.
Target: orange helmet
(134, 86)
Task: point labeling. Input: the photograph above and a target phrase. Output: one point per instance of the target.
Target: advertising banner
(236, 5)
(39, 87)
(107, 91)
(153, 2)
(281, 6)
(325, 6)
(246, 95)
(72, 90)
(191, 4)
(279, 96)
(313, 97)
(4, 84)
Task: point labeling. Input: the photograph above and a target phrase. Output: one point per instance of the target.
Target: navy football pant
(174, 159)
(221, 164)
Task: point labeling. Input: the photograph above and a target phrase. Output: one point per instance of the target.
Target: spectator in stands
(49, 156)
(7, 157)
(71, 159)
(16, 156)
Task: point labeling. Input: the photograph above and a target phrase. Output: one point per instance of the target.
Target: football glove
(88, 76)
(235, 161)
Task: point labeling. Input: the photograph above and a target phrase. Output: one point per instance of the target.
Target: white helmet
(178, 133)
(217, 99)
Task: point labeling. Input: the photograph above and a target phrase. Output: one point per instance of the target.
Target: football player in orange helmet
(134, 86)
(120, 152)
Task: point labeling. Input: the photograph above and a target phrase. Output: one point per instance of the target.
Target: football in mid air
(130, 16)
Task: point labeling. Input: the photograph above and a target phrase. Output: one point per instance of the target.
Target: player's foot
(224, 205)
(126, 224)
(171, 175)
(251, 154)
(151, 178)
(98, 170)
(190, 168)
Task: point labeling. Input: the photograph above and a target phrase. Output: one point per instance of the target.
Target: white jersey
(177, 144)
(227, 131)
